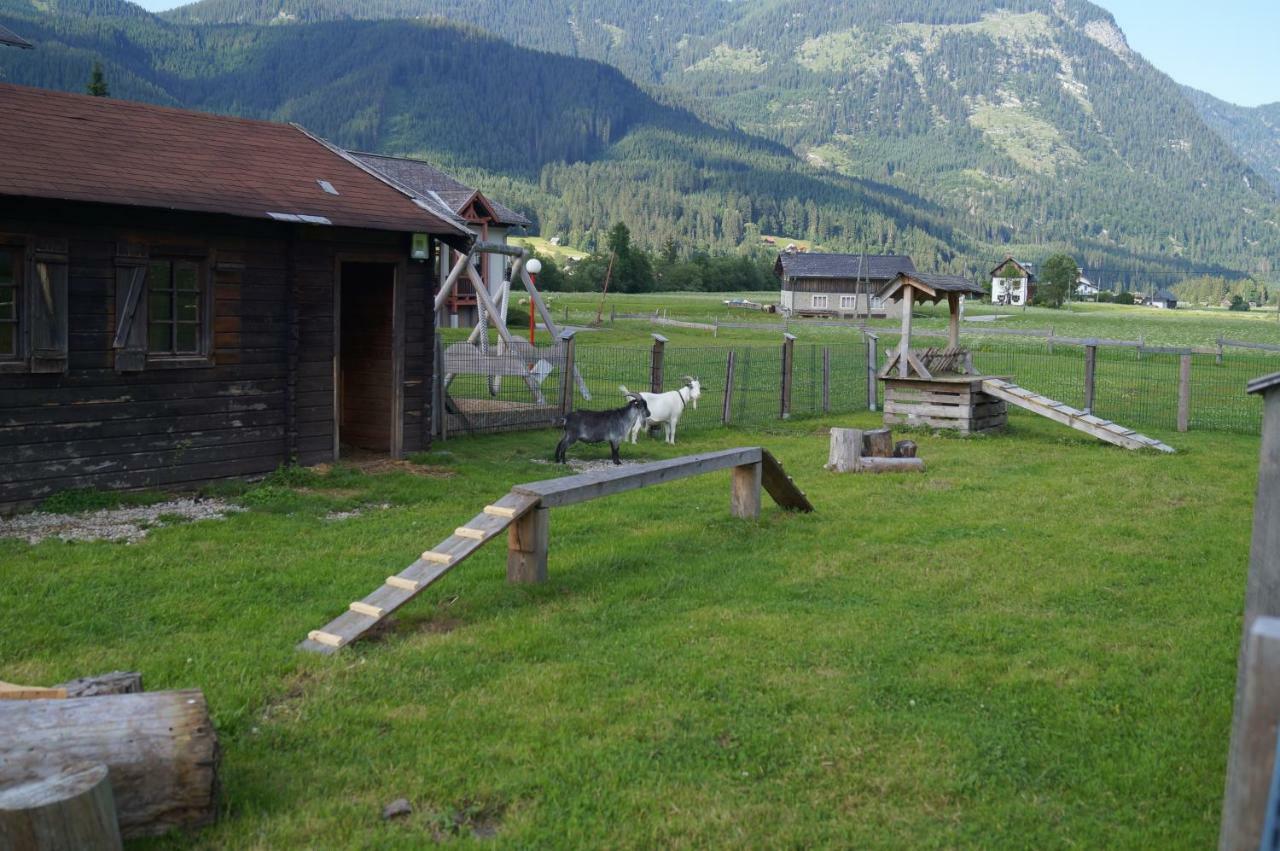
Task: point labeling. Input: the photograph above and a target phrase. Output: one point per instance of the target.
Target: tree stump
(878, 443)
(846, 450)
(160, 748)
(68, 810)
(116, 682)
(904, 449)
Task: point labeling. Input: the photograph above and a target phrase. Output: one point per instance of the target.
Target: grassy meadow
(1030, 645)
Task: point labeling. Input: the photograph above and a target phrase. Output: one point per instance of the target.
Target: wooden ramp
(528, 505)
(1069, 416)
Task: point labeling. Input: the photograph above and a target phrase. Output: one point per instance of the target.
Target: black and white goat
(599, 426)
(666, 408)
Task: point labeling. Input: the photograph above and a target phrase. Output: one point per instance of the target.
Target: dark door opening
(366, 365)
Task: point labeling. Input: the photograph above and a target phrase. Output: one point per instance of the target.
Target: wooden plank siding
(264, 397)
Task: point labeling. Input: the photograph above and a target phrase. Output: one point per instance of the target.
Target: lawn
(1031, 645)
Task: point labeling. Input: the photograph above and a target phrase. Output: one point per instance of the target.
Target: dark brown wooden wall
(266, 399)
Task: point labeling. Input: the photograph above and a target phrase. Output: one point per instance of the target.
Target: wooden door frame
(399, 269)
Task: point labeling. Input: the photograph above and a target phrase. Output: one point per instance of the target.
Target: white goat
(666, 408)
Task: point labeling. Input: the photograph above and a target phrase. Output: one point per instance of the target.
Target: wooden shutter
(47, 306)
(130, 341)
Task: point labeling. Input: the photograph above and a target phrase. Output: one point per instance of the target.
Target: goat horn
(689, 379)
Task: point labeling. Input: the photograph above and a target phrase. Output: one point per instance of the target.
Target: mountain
(957, 131)
(1253, 132)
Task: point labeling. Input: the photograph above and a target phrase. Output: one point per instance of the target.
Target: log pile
(158, 752)
(857, 451)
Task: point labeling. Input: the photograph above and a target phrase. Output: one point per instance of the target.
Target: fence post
(1090, 372)
(566, 377)
(727, 414)
(1218, 359)
(788, 357)
(1184, 392)
(1141, 343)
(613, 314)
(873, 356)
(1050, 339)
(826, 380)
(655, 363)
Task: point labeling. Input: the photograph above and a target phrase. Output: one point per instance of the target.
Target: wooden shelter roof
(11, 38)
(424, 178)
(101, 150)
(869, 267)
(930, 287)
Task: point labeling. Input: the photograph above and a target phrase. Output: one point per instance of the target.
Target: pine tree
(98, 82)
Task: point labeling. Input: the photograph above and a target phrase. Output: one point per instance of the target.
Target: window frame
(814, 304)
(852, 302)
(17, 361)
(203, 353)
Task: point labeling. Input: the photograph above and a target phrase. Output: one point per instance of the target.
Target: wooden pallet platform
(1069, 416)
(951, 402)
(750, 464)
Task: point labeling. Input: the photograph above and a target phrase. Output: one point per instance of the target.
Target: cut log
(69, 810)
(116, 682)
(13, 691)
(160, 748)
(846, 450)
(891, 465)
(878, 443)
(904, 449)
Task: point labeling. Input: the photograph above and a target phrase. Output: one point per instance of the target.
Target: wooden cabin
(187, 297)
(1013, 283)
(843, 285)
(487, 220)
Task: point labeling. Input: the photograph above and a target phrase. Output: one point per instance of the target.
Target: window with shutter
(48, 306)
(10, 304)
(175, 313)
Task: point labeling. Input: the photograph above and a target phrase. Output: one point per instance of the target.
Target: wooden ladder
(1069, 416)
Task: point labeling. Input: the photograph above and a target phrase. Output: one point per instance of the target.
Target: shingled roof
(9, 37)
(426, 179)
(930, 286)
(107, 151)
(869, 267)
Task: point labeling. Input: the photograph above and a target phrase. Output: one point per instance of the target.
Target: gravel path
(112, 524)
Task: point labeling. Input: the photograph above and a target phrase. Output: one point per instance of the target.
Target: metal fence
(757, 384)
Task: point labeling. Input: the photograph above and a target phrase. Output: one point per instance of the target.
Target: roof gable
(9, 37)
(102, 150)
(425, 179)
(1019, 270)
(930, 287)
(855, 267)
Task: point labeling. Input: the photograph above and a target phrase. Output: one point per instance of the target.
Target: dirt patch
(440, 626)
(588, 466)
(355, 512)
(113, 524)
(481, 819)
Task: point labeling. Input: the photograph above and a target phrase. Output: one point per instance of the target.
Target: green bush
(1238, 304)
(1124, 298)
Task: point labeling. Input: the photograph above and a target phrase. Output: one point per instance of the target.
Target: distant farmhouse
(1012, 283)
(486, 218)
(1085, 288)
(12, 39)
(1164, 299)
(845, 285)
(187, 297)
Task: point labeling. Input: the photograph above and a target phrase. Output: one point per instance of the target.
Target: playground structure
(512, 357)
(525, 514)
(939, 388)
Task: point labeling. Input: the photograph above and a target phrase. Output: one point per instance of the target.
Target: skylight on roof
(327, 186)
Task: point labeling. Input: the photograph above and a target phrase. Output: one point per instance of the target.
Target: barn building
(488, 220)
(186, 297)
(843, 285)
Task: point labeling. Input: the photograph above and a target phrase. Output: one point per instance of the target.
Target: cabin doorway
(368, 400)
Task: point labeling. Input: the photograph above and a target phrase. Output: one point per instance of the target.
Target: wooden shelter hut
(186, 297)
(935, 387)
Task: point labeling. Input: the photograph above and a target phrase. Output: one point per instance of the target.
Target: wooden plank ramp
(1069, 416)
(363, 615)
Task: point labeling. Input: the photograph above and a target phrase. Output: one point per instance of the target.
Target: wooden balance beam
(525, 514)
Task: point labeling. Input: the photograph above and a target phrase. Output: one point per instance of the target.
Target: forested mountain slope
(1254, 132)
(1033, 116)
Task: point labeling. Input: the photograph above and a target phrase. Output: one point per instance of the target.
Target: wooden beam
(1249, 773)
(527, 542)
(780, 486)
(904, 345)
(1184, 392)
(953, 324)
(569, 490)
(744, 500)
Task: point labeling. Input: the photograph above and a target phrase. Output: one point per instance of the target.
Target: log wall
(263, 397)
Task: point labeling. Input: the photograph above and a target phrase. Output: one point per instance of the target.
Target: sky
(1227, 48)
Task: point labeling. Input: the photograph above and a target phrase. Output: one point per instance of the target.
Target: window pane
(158, 339)
(186, 276)
(187, 337)
(160, 305)
(7, 338)
(6, 267)
(188, 306)
(158, 275)
(7, 297)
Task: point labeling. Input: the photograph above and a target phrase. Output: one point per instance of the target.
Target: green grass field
(1031, 645)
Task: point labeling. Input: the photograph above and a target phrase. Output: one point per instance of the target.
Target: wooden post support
(744, 500)
(953, 325)
(904, 345)
(1090, 374)
(527, 541)
(826, 380)
(1244, 810)
(1184, 392)
(727, 414)
(439, 416)
(1218, 358)
(70, 810)
(1050, 339)
(873, 355)
(788, 361)
(656, 357)
(566, 376)
(1262, 598)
